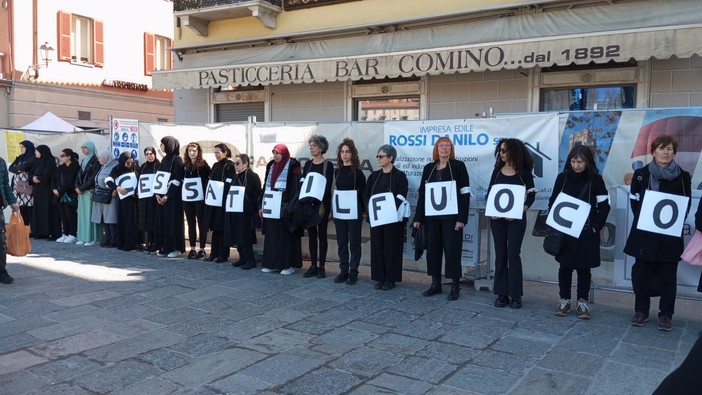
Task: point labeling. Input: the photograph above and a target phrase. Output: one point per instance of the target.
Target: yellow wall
(378, 12)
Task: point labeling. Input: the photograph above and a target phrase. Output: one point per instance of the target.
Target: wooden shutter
(170, 56)
(64, 36)
(98, 43)
(149, 56)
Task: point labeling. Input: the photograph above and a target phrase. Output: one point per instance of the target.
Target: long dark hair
(519, 156)
(355, 162)
(198, 163)
(585, 153)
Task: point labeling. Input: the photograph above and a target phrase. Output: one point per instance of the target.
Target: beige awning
(533, 40)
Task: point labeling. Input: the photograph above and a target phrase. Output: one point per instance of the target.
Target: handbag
(101, 195)
(68, 200)
(23, 187)
(553, 242)
(693, 251)
(17, 236)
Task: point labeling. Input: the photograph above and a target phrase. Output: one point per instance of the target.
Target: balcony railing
(186, 5)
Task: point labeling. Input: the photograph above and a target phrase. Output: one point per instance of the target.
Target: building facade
(84, 61)
(331, 60)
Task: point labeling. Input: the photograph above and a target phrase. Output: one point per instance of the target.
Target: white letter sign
(313, 186)
(145, 183)
(345, 205)
(662, 213)
(127, 181)
(192, 190)
(160, 185)
(568, 215)
(505, 201)
(382, 209)
(214, 196)
(440, 198)
(235, 200)
(272, 201)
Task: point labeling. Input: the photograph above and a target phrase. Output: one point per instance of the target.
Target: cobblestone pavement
(85, 320)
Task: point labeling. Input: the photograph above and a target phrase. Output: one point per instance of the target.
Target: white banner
(506, 201)
(192, 190)
(160, 184)
(235, 199)
(146, 182)
(382, 209)
(313, 186)
(127, 181)
(345, 205)
(440, 198)
(568, 215)
(272, 201)
(662, 213)
(214, 196)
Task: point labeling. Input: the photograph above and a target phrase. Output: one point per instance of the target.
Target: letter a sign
(214, 196)
(440, 198)
(505, 201)
(568, 215)
(662, 213)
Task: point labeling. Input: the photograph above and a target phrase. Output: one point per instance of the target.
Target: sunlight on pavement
(83, 271)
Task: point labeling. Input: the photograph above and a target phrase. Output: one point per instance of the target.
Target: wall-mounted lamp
(47, 53)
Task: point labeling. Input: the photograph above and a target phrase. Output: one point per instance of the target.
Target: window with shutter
(99, 43)
(64, 36)
(80, 39)
(148, 53)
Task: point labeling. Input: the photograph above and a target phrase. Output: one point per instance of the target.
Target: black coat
(399, 186)
(243, 225)
(85, 181)
(225, 172)
(460, 175)
(650, 246)
(146, 212)
(583, 252)
(64, 179)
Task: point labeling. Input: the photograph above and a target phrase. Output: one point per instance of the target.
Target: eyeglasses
(381, 156)
(237, 163)
(82, 146)
(444, 145)
(504, 151)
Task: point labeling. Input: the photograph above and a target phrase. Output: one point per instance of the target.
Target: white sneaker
(287, 271)
(61, 239)
(70, 239)
(267, 270)
(173, 254)
(89, 243)
(80, 242)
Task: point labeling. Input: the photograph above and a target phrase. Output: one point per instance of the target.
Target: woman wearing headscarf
(282, 251)
(169, 206)
(223, 171)
(63, 187)
(89, 232)
(656, 255)
(45, 220)
(196, 167)
(243, 224)
(106, 213)
(21, 181)
(146, 213)
(127, 230)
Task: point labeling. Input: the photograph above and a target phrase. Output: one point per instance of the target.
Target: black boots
(455, 290)
(435, 287)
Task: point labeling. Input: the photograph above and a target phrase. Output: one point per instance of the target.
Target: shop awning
(618, 32)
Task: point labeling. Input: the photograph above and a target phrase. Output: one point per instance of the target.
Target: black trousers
(444, 241)
(508, 236)
(666, 276)
(26, 212)
(386, 252)
(111, 233)
(565, 282)
(246, 253)
(194, 214)
(220, 248)
(3, 243)
(69, 219)
(316, 233)
(348, 238)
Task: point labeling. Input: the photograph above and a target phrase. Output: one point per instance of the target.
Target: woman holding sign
(197, 172)
(513, 167)
(243, 223)
(385, 194)
(169, 206)
(146, 213)
(318, 146)
(123, 179)
(655, 240)
(282, 250)
(580, 180)
(445, 216)
(347, 206)
(221, 178)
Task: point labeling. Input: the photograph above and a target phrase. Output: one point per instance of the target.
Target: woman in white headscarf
(106, 213)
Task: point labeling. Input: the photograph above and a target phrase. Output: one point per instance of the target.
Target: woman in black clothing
(349, 178)
(318, 234)
(45, 220)
(223, 171)
(580, 179)
(146, 212)
(513, 166)
(386, 240)
(127, 230)
(243, 224)
(196, 167)
(444, 231)
(21, 181)
(656, 255)
(168, 227)
(63, 185)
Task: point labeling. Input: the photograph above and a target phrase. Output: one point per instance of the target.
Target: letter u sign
(662, 213)
(440, 198)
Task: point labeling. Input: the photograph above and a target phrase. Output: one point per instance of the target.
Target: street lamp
(47, 53)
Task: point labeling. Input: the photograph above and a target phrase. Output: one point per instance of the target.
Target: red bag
(17, 235)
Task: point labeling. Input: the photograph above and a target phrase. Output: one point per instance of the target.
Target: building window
(390, 109)
(81, 39)
(84, 115)
(156, 53)
(588, 98)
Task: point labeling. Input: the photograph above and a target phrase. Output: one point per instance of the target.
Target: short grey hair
(320, 141)
(389, 150)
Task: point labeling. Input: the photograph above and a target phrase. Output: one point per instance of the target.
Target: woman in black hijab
(22, 168)
(45, 220)
(169, 206)
(127, 231)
